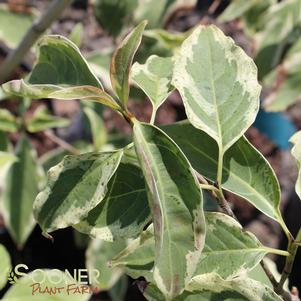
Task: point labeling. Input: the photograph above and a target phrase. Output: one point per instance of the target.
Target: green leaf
(158, 13)
(122, 61)
(114, 15)
(243, 169)
(37, 91)
(218, 84)
(74, 187)
(98, 130)
(98, 256)
(13, 26)
(8, 122)
(23, 182)
(5, 266)
(5, 144)
(124, 212)
(26, 288)
(176, 204)
(42, 120)
(154, 78)
(296, 152)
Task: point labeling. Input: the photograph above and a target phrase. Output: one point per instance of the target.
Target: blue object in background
(276, 126)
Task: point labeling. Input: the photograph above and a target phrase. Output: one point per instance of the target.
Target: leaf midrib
(216, 252)
(220, 140)
(160, 203)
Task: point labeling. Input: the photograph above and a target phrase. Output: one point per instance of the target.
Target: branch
(269, 273)
(218, 195)
(65, 145)
(13, 60)
(289, 262)
(214, 6)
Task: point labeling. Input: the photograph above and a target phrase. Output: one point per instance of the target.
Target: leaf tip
(48, 236)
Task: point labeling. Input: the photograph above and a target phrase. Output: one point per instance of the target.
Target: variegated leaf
(229, 250)
(60, 72)
(122, 62)
(60, 62)
(74, 187)
(218, 84)
(176, 204)
(212, 287)
(281, 25)
(37, 91)
(137, 259)
(243, 169)
(154, 78)
(124, 212)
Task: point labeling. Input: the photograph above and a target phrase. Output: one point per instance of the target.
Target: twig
(269, 273)
(285, 295)
(217, 194)
(32, 35)
(289, 262)
(223, 203)
(61, 143)
(213, 7)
